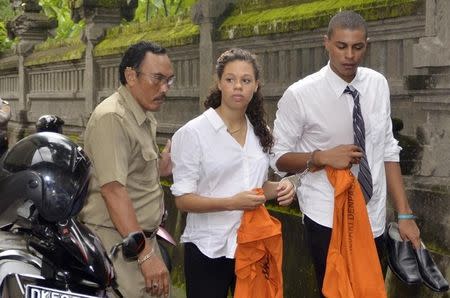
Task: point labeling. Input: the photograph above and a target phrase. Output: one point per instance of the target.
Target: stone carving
(101, 15)
(26, 5)
(433, 138)
(86, 9)
(31, 26)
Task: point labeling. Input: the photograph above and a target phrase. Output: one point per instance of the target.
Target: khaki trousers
(128, 274)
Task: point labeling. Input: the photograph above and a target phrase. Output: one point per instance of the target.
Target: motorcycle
(66, 260)
(44, 250)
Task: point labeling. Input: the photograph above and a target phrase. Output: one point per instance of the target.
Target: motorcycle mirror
(133, 244)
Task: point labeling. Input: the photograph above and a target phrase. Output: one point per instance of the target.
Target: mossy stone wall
(248, 18)
(52, 51)
(169, 32)
(264, 19)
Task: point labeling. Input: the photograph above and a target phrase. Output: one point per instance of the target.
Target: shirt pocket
(150, 166)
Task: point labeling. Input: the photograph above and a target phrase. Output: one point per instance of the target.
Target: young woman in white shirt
(219, 158)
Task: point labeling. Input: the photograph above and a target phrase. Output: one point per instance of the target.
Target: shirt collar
(214, 119)
(217, 122)
(338, 85)
(139, 114)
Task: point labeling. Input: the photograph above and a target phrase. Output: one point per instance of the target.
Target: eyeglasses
(159, 79)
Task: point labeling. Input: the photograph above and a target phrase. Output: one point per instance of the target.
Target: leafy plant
(59, 9)
(6, 13)
(148, 9)
(5, 42)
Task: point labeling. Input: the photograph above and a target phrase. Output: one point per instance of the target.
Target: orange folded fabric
(353, 268)
(259, 256)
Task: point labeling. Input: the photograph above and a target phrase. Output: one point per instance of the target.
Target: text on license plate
(33, 291)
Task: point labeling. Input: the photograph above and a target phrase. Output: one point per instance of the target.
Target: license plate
(33, 291)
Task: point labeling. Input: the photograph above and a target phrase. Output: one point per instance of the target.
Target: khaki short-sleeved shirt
(120, 139)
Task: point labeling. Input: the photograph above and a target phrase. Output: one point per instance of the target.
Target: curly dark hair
(255, 109)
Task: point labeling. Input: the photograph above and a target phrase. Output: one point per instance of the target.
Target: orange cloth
(353, 269)
(259, 256)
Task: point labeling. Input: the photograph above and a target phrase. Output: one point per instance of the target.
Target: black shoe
(401, 257)
(430, 273)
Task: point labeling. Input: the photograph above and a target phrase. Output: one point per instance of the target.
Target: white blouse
(209, 162)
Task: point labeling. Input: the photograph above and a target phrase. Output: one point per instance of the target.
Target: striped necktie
(359, 137)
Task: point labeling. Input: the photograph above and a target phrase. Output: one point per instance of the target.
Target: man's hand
(286, 192)
(156, 276)
(165, 162)
(339, 157)
(409, 231)
(407, 227)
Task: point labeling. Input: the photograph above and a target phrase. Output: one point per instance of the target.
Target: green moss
(74, 138)
(285, 210)
(166, 182)
(177, 277)
(249, 5)
(51, 43)
(307, 16)
(56, 51)
(437, 249)
(168, 32)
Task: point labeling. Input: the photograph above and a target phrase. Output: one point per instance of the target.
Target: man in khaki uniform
(5, 115)
(125, 193)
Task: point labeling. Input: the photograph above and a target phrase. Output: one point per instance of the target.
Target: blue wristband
(406, 216)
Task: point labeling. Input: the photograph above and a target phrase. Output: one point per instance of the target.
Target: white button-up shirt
(314, 113)
(209, 162)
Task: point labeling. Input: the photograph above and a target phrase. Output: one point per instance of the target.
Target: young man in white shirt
(314, 128)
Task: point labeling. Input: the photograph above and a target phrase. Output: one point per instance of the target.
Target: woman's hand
(247, 200)
(286, 192)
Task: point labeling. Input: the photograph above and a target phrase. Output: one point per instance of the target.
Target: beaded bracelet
(406, 216)
(146, 257)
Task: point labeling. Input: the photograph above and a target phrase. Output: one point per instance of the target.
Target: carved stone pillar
(205, 14)
(31, 27)
(431, 89)
(432, 50)
(98, 18)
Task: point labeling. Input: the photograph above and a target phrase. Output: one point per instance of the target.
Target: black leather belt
(150, 233)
